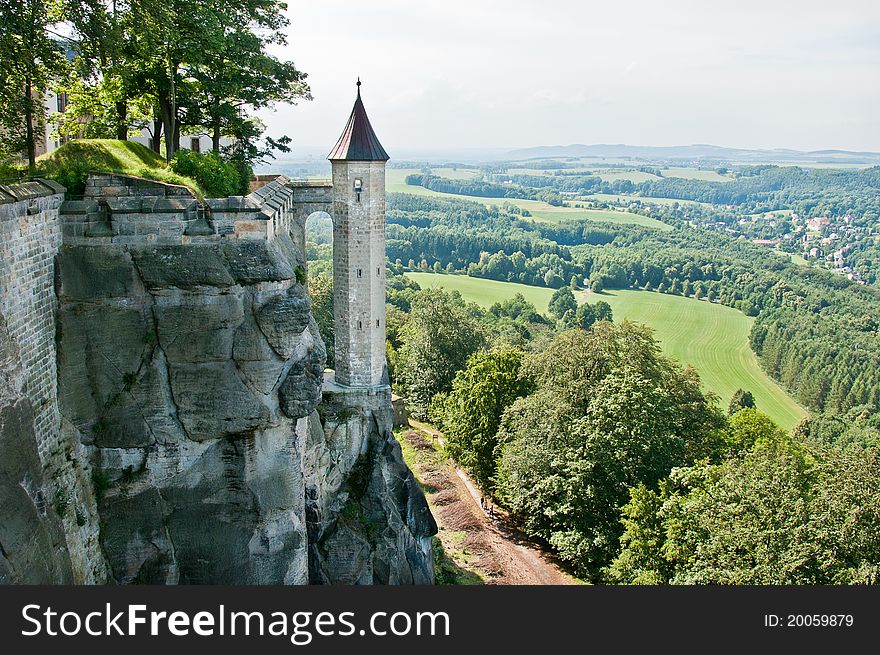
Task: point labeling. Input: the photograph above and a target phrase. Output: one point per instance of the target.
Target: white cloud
(492, 73)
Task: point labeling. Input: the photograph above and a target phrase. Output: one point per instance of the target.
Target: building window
(61, 102)
(378, 271)
(358, 187)
(360, 325)
(195, 144)
(360, 272)
(377, 322)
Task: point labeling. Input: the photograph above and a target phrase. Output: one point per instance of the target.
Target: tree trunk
(215, 138)
(122, 118)
(168, 127)
(157, 135)
(30, 139)
(176, 135)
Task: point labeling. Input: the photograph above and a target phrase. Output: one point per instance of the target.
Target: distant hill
(698, 151)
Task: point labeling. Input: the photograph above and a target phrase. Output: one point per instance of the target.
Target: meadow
(395, 182)
(712, 338)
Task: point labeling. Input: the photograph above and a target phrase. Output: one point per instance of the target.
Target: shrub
(217, 177)
(69, 173)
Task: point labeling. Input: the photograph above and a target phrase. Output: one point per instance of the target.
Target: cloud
(515, 73)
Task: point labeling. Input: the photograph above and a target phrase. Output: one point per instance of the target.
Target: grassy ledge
(70, 164)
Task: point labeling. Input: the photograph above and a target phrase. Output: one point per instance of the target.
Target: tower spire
(358, 141)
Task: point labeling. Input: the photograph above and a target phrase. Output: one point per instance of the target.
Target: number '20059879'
(809, 620)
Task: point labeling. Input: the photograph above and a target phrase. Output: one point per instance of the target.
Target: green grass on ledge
(72, 161)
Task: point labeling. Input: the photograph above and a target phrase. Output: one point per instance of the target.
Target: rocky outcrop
(161, 409)
(193, 375)
(368, 520)
(171, 365)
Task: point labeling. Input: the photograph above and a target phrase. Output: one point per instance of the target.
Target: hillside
(712, 338)
(696, 151)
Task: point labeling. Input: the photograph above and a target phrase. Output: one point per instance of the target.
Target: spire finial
(359, 83)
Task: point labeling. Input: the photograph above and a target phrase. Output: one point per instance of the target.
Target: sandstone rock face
(368, 521)
(193, 376)
(171, 362)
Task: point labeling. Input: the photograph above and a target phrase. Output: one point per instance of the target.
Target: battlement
(118, 209)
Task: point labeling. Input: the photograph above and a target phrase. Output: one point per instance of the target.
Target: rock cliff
(193, 375)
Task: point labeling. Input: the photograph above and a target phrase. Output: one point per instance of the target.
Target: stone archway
(308, 198)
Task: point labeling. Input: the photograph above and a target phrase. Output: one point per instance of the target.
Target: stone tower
(358, 161)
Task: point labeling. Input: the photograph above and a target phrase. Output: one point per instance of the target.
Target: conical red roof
(358, 141)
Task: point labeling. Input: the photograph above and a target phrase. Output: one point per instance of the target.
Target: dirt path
(483, 541)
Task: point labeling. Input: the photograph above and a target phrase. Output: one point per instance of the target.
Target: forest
(815, 332)
(604, 448)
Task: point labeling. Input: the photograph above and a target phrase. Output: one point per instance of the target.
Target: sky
(459, 76)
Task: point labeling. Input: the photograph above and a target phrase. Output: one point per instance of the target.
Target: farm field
(696, 174)
(541, 211)
(626, 198)
(633, 176)
(712, 338)
(484, 292)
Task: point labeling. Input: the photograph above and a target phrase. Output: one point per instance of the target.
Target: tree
(775, 514)
(30, 59)
(603, 311)
(104, 99)
(552, 280)
(472, 412)
(561, 301)
(235, 72)
(321, 294)
(436, 343)
(586, 316)
(748, 427)
(740, 400)
(641, 560)
(609, 412)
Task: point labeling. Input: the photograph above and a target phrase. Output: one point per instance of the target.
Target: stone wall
(106, 185)
(38, 455)
(140, 215)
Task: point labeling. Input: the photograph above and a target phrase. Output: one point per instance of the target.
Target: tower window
(360, 325)
(358, 187)
(195, 144)
(378, 272)
(377, 322)
(360, 272)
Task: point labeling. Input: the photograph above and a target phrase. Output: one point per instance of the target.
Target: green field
(794, 257)
(484, 292)
(696, 174)
(712, 338)
(541, 211)
(628, 198)
(633, 176)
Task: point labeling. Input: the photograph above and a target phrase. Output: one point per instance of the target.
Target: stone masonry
(359, 273)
